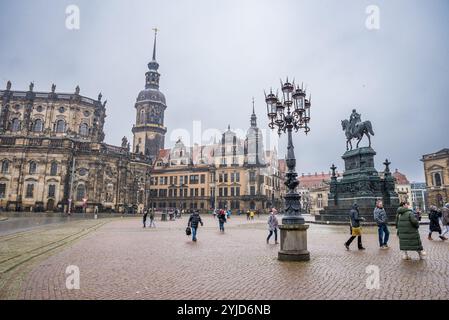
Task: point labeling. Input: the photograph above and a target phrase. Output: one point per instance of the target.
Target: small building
(419, 195)
(402, 187)
(436, 171)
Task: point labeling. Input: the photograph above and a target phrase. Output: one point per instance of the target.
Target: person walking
(381, 218)
(356, 229)
(434, 225)
(445, 218)
(145, 218)
(251, 214)
(248, 214)
(418, 214)
(273, 226)
(407, 230)
(152, 224)
(221, 220)
(194, 220)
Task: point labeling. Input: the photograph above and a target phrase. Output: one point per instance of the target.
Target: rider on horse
(354, 119)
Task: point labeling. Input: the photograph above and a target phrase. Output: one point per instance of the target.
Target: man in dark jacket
(194, 220)
(356, 230)
(380, 216)
(145, 218)
(221, 219)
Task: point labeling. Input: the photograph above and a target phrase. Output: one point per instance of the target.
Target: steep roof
(312, 181)
(400, 177)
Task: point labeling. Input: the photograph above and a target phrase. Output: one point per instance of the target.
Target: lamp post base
(293, 243)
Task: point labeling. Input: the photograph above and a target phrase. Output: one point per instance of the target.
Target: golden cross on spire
(155, 30)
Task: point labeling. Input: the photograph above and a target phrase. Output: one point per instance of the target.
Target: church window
(54, 169)
(33, 167)
(60, 126)
(2, 190)
(5, 166)
(38, 125)
(80, 192)
(15, 125)
(29, 191)
(51, 190)
(84, 129)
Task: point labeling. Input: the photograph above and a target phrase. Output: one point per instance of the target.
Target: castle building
(233, 173)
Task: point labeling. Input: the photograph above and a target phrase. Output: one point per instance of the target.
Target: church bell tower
(149, 131)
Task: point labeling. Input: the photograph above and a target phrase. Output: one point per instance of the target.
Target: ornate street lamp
(291, 112)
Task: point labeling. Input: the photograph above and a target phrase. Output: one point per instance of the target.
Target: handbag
(188, 231)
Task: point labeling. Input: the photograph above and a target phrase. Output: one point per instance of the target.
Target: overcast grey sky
(215, 56)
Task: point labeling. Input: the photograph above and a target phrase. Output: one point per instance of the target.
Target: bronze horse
(361, 129)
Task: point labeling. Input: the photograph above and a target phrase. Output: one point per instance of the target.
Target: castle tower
(149, 131)
(255, 153)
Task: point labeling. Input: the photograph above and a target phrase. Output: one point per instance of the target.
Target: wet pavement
(121, 260)
(14, 224)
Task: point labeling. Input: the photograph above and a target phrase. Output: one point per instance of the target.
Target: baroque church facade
(53, 158)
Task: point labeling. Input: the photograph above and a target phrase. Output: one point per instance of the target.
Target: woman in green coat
(407, 229)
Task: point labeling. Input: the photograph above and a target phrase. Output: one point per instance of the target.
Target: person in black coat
(434, 225)
(194, 220)
(356, 230)
(221, 220)
(145, 218)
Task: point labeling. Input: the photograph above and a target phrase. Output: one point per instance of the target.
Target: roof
(443, 153)
(151, 94)
(163, 154)
(400, 177)
(312, 181)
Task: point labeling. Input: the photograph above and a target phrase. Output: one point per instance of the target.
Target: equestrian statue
(354, 128)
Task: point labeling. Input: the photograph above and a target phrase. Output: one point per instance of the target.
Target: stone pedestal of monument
(294, 243)
(362, 184)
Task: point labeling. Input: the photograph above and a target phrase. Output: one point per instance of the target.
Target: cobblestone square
(122, 260)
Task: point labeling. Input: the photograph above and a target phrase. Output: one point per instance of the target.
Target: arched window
(80, 192)
(60, 126)
(54, 168)
(15, 125)
(33, 167)
(5, 166)
(84, 129)
(437, 179)
(142, 116)
(38, 125)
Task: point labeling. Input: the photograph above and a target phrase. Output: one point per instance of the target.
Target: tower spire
(153, 65)
(154, 45)
(253, 117)
(253, 106)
